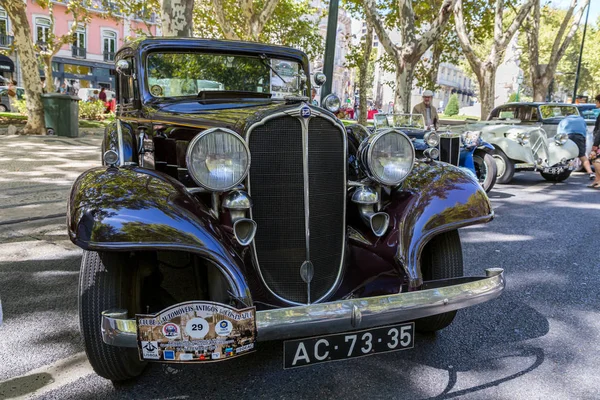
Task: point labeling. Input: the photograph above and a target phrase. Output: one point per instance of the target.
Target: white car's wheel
(505, 167)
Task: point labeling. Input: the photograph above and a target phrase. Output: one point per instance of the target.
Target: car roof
(233, 46)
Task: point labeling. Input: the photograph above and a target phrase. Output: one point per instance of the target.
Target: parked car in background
(192, 252)
(520, 147)
(4, 101)
(547, 116)
(465, 149)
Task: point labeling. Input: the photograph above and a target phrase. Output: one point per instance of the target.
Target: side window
(507, 113)
(535, 115)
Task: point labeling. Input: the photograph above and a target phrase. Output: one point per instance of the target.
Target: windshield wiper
(263, 59)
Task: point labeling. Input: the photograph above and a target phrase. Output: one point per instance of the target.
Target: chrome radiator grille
(539, 148)
(450, 148)
(297, 184)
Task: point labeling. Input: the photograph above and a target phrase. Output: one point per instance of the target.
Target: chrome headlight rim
(369, 156)
(432, 139)
(561, 139)
(524, 137)
(200, 136)
(332, 97)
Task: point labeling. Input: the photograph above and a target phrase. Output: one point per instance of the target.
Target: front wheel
(486, 169)
(556, 177)
(441, 259)
(505, 167)
(104, 284)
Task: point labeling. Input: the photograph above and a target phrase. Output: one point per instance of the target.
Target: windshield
(187, 74)
(400, 121)
(552, 111)
(590, 114)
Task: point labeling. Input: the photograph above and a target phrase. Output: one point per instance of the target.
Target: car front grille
(450, 148)
(297, 184)
(539, 148)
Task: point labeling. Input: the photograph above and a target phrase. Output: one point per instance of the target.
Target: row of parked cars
(516, 137)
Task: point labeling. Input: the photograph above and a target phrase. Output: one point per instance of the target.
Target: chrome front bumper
(345, 315)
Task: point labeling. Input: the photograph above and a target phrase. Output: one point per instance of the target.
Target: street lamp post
(330, 47)
(580, 54)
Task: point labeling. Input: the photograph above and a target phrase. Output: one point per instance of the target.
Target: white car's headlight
(561, 138)
(432, 139)
(388, 157)
(218, 159)
(524, 137)
(521, 137)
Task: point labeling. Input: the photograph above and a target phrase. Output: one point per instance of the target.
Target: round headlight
(389, 157)
(561, 138)
(218, 159)
(332, 103)
(524, 137)
(432, 139)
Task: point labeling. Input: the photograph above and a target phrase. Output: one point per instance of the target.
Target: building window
(42, 30)
(79, 43)
(5, 40)
(109, 45)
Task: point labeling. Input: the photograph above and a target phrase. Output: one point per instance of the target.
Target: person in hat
(427, 109)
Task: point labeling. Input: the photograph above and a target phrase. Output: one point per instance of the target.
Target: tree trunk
(47, 61)
(435, 65)
(540, 89)
(363, 72)
(176, 18)
(29, 66)
(487, 91)
(403, 89)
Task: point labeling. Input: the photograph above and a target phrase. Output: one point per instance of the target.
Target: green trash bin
(61, 113)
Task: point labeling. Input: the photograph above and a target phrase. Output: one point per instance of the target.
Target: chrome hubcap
(501, 166)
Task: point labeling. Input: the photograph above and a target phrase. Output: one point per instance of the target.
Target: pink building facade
(88, 61)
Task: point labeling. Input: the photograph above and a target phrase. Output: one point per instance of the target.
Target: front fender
(557, 153)
(512, 149)
(131, 209)
(436, 198)
(486, 147)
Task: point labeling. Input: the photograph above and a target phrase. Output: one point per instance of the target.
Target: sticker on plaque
(196, 331)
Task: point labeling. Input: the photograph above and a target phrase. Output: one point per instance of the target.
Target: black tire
(441, 259)
(102, 286)
(3, 108)
(486, 169)
(505, 167)
(556, 177)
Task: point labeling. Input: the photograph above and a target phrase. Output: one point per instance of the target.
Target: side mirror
(123, 67)
(320, 79)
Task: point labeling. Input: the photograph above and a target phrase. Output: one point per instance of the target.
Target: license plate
(554, 170)
(315, 350)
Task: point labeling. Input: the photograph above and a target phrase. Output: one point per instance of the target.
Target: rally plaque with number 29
(309, 351)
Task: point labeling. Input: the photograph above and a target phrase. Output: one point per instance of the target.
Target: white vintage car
(526, 148)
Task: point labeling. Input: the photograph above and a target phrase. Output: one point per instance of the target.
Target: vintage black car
(230, 211)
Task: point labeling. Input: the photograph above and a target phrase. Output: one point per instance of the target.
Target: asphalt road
(539, 340)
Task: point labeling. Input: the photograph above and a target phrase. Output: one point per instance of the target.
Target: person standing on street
(595, 154)
(425, 108)
(12, 95)
(576, 128)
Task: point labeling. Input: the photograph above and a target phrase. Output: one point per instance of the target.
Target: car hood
(235, 116)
